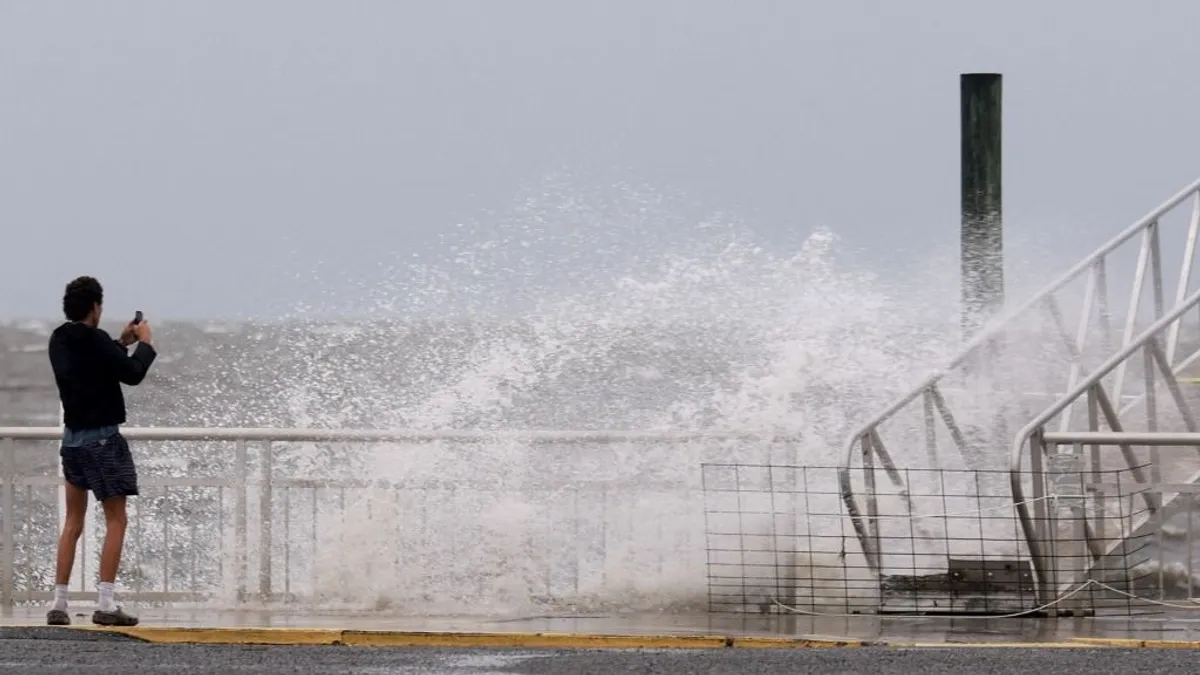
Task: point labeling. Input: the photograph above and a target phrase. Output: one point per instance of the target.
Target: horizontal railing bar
(1132, 488)
(400, 435)
(1184, 438)
(141, 597)
(144, 481)
(583, 485)
(598, 486)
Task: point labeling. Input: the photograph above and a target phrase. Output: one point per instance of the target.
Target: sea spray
(709, 332)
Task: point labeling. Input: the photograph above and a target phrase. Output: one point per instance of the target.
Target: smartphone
(137, 317)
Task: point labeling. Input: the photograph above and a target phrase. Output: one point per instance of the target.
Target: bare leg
(114, 538)
(107, 612)
(72, 529)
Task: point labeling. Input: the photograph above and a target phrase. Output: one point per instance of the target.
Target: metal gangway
(1057, 452)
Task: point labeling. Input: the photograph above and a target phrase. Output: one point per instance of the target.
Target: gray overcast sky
(230, 159)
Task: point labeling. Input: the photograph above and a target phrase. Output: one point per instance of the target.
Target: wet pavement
(41, 656)
(1154, 626)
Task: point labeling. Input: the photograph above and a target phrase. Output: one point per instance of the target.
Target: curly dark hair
(81, 295)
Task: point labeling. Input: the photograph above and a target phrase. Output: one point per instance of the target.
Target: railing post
(1075, 507)
(1068, 538)
(241, 469)
(264, 506)
(868, 455)
(931, 449)
(8, 462)
(1039, 542)
(1098, 497)
(1185, 275)
(1151, 400)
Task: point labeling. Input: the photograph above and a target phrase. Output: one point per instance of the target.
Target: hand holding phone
(141, 329)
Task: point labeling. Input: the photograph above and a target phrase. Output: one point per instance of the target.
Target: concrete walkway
(625, 631)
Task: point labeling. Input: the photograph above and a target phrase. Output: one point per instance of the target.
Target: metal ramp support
(1140, 456)
(1025, 376)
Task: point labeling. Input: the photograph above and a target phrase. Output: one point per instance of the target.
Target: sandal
(58, 617)
(113, 618)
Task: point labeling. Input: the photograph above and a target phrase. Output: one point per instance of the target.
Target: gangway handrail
(993, 328)
(319, 435)
(1079, 389)
(1165, 438)
(989, 332)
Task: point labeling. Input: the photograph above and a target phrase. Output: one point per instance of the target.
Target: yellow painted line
(811, 642)
(1131, 643)
(1171, 644)
(368, 638)
(985, 645)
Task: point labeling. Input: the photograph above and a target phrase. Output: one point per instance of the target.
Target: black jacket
(89, 368)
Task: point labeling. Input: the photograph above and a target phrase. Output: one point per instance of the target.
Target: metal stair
(973, 492)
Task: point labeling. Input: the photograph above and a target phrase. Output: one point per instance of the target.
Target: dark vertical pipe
(982, 244)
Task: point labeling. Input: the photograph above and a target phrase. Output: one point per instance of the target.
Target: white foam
(636, 320)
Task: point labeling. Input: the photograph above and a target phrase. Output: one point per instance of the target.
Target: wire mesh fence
(779, 540)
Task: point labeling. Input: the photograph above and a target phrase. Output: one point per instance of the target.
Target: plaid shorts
(105, 467)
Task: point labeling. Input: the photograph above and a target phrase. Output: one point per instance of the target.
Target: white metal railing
(1032, 441)
(316, 435)
(992, 361)
(263, 510)
(1115, 526)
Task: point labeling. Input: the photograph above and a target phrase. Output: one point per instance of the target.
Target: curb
(225, 636)
(385, 638)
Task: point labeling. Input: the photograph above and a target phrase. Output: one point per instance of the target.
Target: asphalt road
(37, 654)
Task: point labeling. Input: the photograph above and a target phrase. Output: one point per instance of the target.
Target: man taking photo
(89, 369)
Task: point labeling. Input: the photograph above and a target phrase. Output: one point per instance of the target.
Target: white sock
(107, 604)
(60, 597)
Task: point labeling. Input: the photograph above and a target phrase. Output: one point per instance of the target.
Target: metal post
(8, 462)
(930, 430)
(239, 520)
(264, 505)
(982, 243)
(872, 503)
(1099, 497)
(1041, 517)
